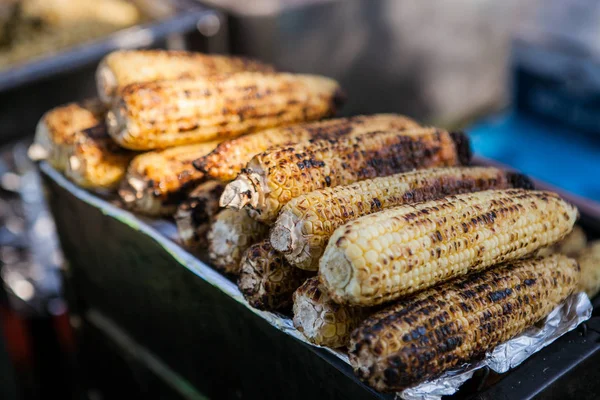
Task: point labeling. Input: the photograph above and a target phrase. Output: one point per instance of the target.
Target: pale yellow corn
(306, 223)
(124, 67)
(172, 113)
(571, 245)
(589, 261)
(395, 252)
(231, 233)
(230, 157)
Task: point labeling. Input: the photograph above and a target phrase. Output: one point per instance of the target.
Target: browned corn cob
(230, 157)
(231, 233)
(589, 261)
(276, 176)
(195, 214)
(173, 113)
(395, 252)
(306, 223)
(124, 67)
(157, 181)
(571, 245)
(443, 327)
(266, 279)
(96, 161)
(321, 320)
(56, 130)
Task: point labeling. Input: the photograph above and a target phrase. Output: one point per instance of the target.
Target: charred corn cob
(589, 261)
(195, 214)
(56, 130)
(231, 233)
(276, 176)
(321, 320)
(157, 181)
(121, 68)
(395, 252)
(230, 157)
(266, 279)
(443, 327)
(96, 161)
(306, 223)
(173, 113)
(571, 245)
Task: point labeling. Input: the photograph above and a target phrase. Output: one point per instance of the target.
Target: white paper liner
(564, 318)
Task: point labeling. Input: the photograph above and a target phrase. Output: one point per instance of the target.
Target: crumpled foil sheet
(564, 318)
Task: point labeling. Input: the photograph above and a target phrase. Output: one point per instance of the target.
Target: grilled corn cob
(571, 245)
(230, 157)
(95, 160)
(306, 223)
(157, 181)
(395, 252)
(231, 233)
(321, 320)
(56, 130)
(121, 68)
(276, 176)
(172, 113)
(589, 261)
(443, 327)
(266, 279)
(195, 214)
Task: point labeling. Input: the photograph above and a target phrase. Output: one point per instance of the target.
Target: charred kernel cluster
(321, 320)
(266, 279)
(121, 68)
(380, 257)
(230, 157)
(589, 261)
(158, 180)
(56, 130)
(95, 161)
(163, 114)
(195, 214)
(306, 223)
(231, 233)
(275, 177)
(441, 328)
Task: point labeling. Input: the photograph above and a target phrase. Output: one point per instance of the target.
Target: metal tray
(197, 323)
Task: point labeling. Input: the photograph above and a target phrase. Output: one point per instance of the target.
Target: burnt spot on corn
(518, 180)
(463, 147)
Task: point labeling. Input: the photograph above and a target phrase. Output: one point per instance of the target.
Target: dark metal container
(128, 280)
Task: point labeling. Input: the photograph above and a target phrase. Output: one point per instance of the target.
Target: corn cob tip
(240, 192)
(131, 189)
(115, 122)
(37, 152)
(283, 236)
(106, 82)
(518, 180)
(463, 147)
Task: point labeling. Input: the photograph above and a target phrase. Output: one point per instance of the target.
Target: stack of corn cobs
(373, 229)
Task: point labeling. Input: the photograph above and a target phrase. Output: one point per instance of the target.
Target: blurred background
(502, 71)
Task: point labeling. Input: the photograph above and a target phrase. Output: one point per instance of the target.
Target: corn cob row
(230, 157)
(321, 320)
(443, 327)
(56, 130)
(383, 256)
(95, 160)
(589, 261)
(231, 233)
(306, 223)
(121, 68)
(173, 113)
(196, 212)
(266, 279)
(276, 176)
(571, 245)
(157, 181)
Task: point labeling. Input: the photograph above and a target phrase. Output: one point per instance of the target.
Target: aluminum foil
(576, 309)
(564, 318)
